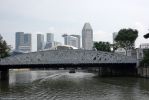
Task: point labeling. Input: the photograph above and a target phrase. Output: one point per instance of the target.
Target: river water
(61, 85)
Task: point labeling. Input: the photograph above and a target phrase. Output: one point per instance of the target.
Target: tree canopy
(126, 38)
(102, 46)
(4, 49)
(146, 36)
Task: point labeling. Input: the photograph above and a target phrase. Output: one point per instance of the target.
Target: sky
(69, 16)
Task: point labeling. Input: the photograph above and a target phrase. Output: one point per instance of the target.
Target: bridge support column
(4, 74)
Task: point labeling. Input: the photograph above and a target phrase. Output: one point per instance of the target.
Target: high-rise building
(40, 42)
(77, 36)
(23, 42)
(27, 39)
(87, 37)
(50, 37)
(57, 43)
(19, 40)
(71, 40)
(50, 41)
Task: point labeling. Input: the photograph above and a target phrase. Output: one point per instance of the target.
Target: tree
(114, 47)
(126, 38)
(146, 36)
(4, 49)
(102, 46)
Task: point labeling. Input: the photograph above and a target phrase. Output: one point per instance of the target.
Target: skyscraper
(71, 40)
(40, 42)
(77, 36)
(27, 39)
(19, 40)
(23, 42)
(50, 37)
(87, 37)
(50, 41)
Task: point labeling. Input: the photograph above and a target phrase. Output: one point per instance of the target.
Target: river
(62, 85)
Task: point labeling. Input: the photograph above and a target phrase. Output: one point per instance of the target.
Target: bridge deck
(67, 57)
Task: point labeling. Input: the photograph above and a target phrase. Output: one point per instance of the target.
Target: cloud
(51, 29)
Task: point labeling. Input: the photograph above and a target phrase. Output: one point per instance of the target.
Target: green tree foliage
(4, 49)
(114, 46)
(102, 46)
(126, 38)
(146, 36)
(146, 58)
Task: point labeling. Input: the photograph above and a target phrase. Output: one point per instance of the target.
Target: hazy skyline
(69, 16)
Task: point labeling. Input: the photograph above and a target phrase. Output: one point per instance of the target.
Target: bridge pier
(4, 74)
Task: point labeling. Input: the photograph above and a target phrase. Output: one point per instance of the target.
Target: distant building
(144, 46)
(49, 45)
(87, 37)
(50, 37)
(71, 40)
(40, 42)
(77, 36)
(57, 43)
(50, 41)
(141, 50)
(23, 42)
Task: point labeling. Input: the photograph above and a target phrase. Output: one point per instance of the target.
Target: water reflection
(61, 85)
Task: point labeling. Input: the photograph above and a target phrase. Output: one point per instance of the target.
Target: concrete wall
(143, 71)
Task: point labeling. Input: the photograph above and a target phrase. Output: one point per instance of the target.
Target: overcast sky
(69, 16)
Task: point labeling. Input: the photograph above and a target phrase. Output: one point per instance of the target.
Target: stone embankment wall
(143, 71)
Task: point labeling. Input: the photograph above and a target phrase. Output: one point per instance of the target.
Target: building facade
(71, 40)
(144, 46)
(87, 37)
(23, 42)
(40, 42)
(77, 36)
(50, 37)
(57, 43)
(50, 41)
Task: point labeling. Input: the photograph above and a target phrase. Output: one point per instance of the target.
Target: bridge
(106, 62)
